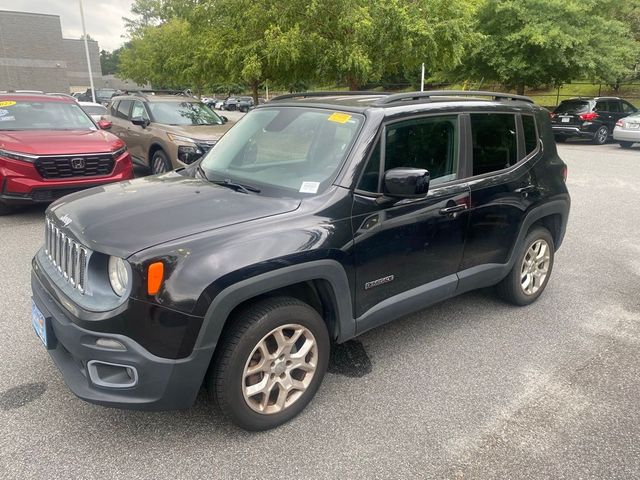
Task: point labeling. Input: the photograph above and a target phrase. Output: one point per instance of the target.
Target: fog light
(112, 375)
(110, 343)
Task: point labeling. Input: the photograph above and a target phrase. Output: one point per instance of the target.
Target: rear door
(120, 119)
(503, 186)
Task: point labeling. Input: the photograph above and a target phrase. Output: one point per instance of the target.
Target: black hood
(123, 218)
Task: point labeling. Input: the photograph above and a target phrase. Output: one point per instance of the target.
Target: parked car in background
(230, 103)
(627, 131)
(245, 104)
(164, 131)
(315, 219)
(49, 147)
(103, 95)
(592, 118)
(94, 110)
(218, 104)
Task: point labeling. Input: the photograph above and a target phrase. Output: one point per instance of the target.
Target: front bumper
(21, 184)
(160, 383)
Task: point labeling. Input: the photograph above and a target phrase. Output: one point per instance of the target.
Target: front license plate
(39, 323)
(566, 119)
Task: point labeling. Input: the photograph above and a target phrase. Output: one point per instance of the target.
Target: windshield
(34, 115)
(95, 109)
(183, 113)
(105, 94)
(572, 106)
(299, 149)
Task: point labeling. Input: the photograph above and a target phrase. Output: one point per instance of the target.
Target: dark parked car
(592, 118)
(103, 95)
(314, 219)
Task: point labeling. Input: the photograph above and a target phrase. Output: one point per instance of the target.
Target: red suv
(49, 147)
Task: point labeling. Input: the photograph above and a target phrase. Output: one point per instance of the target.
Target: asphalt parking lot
(471, 388)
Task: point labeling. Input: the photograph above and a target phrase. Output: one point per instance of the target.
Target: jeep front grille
(66, 255)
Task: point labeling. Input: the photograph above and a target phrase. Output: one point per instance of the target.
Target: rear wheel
(601, 136)
(160, 163)
(531, 271)
(270, 362)
(625, 144)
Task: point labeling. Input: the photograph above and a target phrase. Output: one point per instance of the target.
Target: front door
(137, 134)
(402, 248)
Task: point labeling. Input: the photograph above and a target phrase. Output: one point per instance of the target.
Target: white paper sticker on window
(309, 187)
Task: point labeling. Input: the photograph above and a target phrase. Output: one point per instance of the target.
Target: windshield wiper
(236, 186)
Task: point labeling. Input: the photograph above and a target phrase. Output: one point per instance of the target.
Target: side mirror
(104, 124)
(406, 182)
(140, 121)
(224, 119)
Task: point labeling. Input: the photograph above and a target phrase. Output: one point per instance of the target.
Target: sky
(103, 18)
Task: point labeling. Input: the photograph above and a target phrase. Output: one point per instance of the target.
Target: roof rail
(415, 96)
(324, 94)
(145, 92)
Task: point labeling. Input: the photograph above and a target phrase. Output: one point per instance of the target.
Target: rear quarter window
(530, 133)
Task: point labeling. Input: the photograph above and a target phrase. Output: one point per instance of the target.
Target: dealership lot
(471, 388)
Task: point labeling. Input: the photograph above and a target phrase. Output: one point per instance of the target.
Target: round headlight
(118, 275)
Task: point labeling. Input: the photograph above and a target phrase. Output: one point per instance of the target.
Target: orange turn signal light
(155, 276)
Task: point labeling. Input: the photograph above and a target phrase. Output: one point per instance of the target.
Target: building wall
(76, 60)
(31, 52)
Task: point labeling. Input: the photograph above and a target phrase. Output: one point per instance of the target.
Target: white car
(95, 110)
(627, 131)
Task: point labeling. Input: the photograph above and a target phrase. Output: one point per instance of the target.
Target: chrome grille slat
(66, 255)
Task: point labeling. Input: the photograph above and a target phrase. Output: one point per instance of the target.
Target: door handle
(526, 189)
(455, 209)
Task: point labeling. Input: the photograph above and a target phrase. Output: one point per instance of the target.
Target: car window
(628, 108)
(138, 111)
(183, 113)
(572, 106)
(601, 106)
(530, 133)
(430, 143)
(114, 108)
(614, 106)
(296, 149)
(495, 144)
(123, 109)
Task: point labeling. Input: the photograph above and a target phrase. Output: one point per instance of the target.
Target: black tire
(560, 139)
(160, 163)
(6, 209)
(248, 328)
(510, 289)
(625, 144)
(601, 136)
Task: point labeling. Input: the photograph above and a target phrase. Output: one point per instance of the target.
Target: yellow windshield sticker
(7, 103)
(339, 117)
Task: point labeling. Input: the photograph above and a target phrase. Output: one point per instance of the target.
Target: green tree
(109, 61)
(543, 42)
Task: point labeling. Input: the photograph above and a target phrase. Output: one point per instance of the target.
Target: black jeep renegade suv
(314, 219)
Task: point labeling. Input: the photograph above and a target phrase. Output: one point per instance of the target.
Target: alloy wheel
(535, 267)
(602, 135)
(280, 369)
(159, 165)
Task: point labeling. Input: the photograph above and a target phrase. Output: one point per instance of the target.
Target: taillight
(588, 116)
(564, 173)
(619, 123)
(552, 115)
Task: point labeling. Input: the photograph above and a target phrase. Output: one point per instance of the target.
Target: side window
(530, 133)
(495, 145)
(114, 108)
(430, 143)
(628, 108)
(139, 110)
(123, 109)
(614, 106)
(601, 107)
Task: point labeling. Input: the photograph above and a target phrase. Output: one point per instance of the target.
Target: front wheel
(270, 363)
(601, 136)
(531, 271)
(625, 144)
(160, 163)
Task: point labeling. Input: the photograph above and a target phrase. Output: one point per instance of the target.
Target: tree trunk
(352, 82)
(520, 87)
